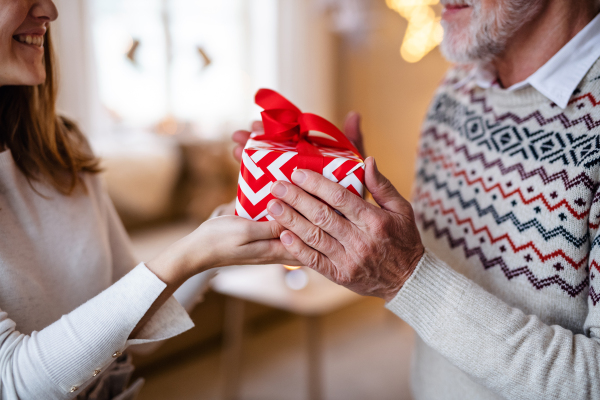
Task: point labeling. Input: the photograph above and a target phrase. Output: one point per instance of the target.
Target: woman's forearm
(64, 356)
(174, 266)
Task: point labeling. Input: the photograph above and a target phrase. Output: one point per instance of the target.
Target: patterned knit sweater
(506, 300)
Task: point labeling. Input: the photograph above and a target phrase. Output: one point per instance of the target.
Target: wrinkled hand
(373, 251)
(351, 130)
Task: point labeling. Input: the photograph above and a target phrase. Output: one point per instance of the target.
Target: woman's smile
(23, 28)
(30, 40)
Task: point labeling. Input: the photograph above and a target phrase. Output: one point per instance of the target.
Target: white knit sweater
(506, 300)
(69, 293)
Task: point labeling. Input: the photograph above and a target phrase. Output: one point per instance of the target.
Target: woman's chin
(29, 78)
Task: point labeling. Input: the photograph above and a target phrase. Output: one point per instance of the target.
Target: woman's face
(23, 24)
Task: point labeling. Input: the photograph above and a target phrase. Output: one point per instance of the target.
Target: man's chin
(462, 47)
(457, 49)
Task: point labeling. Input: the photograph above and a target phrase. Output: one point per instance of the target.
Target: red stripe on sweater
(516, 249)
(506, 195)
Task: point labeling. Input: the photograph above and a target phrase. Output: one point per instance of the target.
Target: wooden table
(265, 284)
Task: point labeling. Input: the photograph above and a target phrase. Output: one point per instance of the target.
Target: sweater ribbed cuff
(86, 339)
(430, 296)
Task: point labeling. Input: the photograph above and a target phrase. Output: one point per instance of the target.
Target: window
(183, 65)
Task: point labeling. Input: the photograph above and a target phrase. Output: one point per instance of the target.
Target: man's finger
(257, 126)
(310, 234)
(237, 152)
(241, 137)
(315, 211)
(307, 255)
(337, 196)
(384, 193)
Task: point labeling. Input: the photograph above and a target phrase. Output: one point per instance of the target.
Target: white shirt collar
(560, 76)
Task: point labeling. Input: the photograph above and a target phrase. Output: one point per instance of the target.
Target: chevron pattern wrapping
(264, 162)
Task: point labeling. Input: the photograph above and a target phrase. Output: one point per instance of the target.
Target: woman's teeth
(29, 39)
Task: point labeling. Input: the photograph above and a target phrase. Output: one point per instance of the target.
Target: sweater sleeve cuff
(430, 296)
(92, 336)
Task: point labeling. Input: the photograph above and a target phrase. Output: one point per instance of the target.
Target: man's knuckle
(290, 219)
(293, 197)
(363, 248)
(312, 182)
(312, 258)
(339, 198)
(314, 237)
(353, 274)
(380, 225)
(363, 213)
(343, 278)
(322, 216)
(385, 185)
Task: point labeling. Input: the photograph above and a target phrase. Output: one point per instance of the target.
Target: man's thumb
(384, 193)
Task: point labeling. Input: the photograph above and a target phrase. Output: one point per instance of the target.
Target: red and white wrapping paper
(265, 162)
(292, 140)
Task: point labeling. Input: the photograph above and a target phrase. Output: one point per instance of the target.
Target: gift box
(292, 140)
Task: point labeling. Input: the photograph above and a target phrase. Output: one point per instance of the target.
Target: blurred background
(159, 86)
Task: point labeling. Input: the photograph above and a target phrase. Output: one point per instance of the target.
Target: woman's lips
(31, 37)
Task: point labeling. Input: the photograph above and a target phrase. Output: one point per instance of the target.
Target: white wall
(306, 62)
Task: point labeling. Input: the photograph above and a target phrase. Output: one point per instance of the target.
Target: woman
(71, 298)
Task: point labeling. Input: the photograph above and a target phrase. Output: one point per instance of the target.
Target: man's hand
(351, 129)
(241, 137)
(373, 251)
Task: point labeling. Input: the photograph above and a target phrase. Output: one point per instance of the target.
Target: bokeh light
(424, 31)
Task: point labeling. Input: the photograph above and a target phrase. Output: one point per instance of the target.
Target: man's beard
(488, 32)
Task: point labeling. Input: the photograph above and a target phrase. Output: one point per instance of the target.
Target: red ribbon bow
(284, 122)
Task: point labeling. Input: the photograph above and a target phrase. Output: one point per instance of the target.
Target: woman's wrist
(171, 266)
(182, 260)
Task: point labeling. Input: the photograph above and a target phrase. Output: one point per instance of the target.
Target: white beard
(488, 32)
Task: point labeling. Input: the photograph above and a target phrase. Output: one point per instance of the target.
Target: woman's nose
(44, 10)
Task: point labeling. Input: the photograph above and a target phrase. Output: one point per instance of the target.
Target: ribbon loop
(283, 121)
(280, 122)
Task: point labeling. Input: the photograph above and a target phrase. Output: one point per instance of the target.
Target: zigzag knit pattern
(508, 184)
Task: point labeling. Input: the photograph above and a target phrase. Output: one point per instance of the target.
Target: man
(495, 265)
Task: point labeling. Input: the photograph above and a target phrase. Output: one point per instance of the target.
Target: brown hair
(44, 146)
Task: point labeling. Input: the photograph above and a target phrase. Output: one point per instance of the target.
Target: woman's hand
(224, 209)
(351, 130)
(219, 242)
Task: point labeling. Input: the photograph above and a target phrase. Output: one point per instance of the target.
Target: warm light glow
(291, 267)
(168, 126)
(424, 31)
(297, 279)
